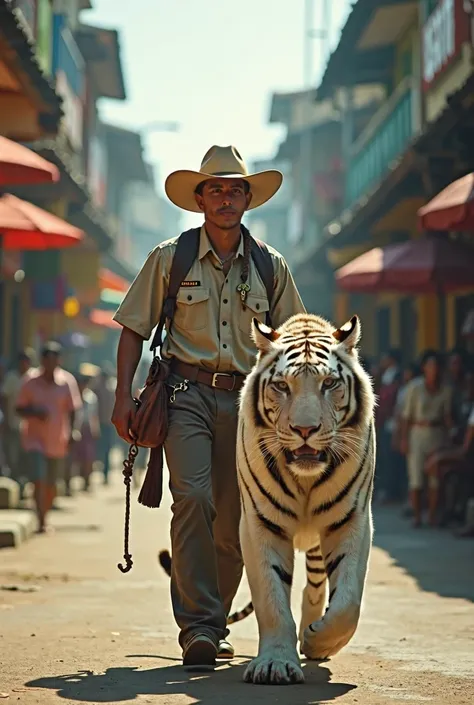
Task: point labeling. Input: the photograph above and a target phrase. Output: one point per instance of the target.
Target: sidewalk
(88, 634)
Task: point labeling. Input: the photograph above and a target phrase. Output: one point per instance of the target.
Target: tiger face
(311, 395)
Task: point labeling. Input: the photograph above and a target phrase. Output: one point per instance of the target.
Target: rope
(127, 473)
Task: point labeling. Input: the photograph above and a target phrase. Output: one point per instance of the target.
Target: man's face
(50, 362)
(224, 201)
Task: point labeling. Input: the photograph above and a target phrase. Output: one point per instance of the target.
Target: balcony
(384, 140)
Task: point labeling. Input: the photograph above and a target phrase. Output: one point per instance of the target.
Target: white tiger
(305, 461)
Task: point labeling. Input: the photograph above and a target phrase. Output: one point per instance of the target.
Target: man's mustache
(226, 210)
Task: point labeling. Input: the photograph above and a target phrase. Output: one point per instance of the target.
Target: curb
(16, 527)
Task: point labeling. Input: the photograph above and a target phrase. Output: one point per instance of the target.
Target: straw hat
(218, 162)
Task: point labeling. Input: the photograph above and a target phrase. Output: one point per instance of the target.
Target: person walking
(210, 351)
(104, 388)
(84, 451)
(427, 421)
(47, 403)
(14, 378)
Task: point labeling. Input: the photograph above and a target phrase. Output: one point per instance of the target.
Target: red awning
(24, 226)
(110, 280)
(103, 318)
(20, 165)
(423, 266)
(452, 208)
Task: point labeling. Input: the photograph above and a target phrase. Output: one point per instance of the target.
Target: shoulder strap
(264, 263)
(187, 249)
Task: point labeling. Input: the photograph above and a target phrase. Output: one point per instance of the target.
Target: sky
(212, 66)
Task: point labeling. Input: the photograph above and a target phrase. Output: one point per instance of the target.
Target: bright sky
(212, 66)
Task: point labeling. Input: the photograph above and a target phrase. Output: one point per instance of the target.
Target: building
(53, 71)
(417, 141)
(312, 150)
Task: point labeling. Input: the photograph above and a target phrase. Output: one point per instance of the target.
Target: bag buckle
(181, 387)
(215, 377)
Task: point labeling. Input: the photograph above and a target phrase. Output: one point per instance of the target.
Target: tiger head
(312, 400)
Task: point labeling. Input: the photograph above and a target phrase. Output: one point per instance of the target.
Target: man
(211, 351)
(10, 389)
(47, 403)
(104, 388)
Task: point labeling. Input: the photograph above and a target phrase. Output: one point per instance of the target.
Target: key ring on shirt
(181, 387)
(243, 290)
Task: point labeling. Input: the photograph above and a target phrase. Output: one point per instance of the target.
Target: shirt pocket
(192, 309)
(256, 306)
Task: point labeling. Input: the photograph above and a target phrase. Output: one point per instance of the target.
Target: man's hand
(123, 415)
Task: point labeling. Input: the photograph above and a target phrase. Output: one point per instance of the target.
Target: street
(77, 630)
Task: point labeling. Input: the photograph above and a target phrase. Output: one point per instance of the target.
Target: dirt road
(88, 634)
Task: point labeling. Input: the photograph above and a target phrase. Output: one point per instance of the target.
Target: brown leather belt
(229, 381)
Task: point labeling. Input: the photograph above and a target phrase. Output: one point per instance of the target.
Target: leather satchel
(150, 424)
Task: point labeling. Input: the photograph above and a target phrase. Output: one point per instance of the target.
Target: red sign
(445, 31)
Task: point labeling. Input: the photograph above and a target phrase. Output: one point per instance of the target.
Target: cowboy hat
(218, 162)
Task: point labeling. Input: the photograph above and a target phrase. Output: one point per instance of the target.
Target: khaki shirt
(420, 406)
(210, 328)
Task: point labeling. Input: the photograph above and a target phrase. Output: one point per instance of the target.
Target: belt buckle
(222, 374)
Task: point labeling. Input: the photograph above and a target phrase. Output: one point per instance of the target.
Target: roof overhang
(17, 54)
(100, 48)
(93, 222)
(366, 49)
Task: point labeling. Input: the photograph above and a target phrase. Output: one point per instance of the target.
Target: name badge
(190, 283)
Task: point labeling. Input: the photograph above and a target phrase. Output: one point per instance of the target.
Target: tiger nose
(305, 431)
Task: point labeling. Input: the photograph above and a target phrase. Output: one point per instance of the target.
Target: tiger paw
(274, 668)
(326, 638)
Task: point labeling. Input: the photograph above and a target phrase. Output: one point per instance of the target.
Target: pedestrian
(211, 351)
(47, 404)
(386, 484)
(104, 388)
(427, 421)
(12, 382)
(88, 424)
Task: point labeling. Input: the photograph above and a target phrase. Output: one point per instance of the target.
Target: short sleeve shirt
(211, 326)
(49, 436)
(421, 406)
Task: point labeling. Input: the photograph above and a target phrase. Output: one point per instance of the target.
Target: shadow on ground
(437, 560)
(206, 688)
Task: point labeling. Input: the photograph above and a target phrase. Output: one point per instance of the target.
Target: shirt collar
(205, 245)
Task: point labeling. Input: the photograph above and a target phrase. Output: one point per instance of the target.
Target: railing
(384, 140)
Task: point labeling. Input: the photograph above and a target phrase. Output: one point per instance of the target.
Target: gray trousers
(207, 562)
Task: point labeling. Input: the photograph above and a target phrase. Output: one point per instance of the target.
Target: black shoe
(200, 650)
(225, 650)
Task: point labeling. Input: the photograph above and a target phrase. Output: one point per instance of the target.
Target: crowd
(54, 424)
(425, 437)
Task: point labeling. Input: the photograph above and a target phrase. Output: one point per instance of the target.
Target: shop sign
(444, 33)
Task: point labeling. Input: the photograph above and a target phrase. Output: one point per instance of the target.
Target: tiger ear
(348, 335)
(263, 336)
